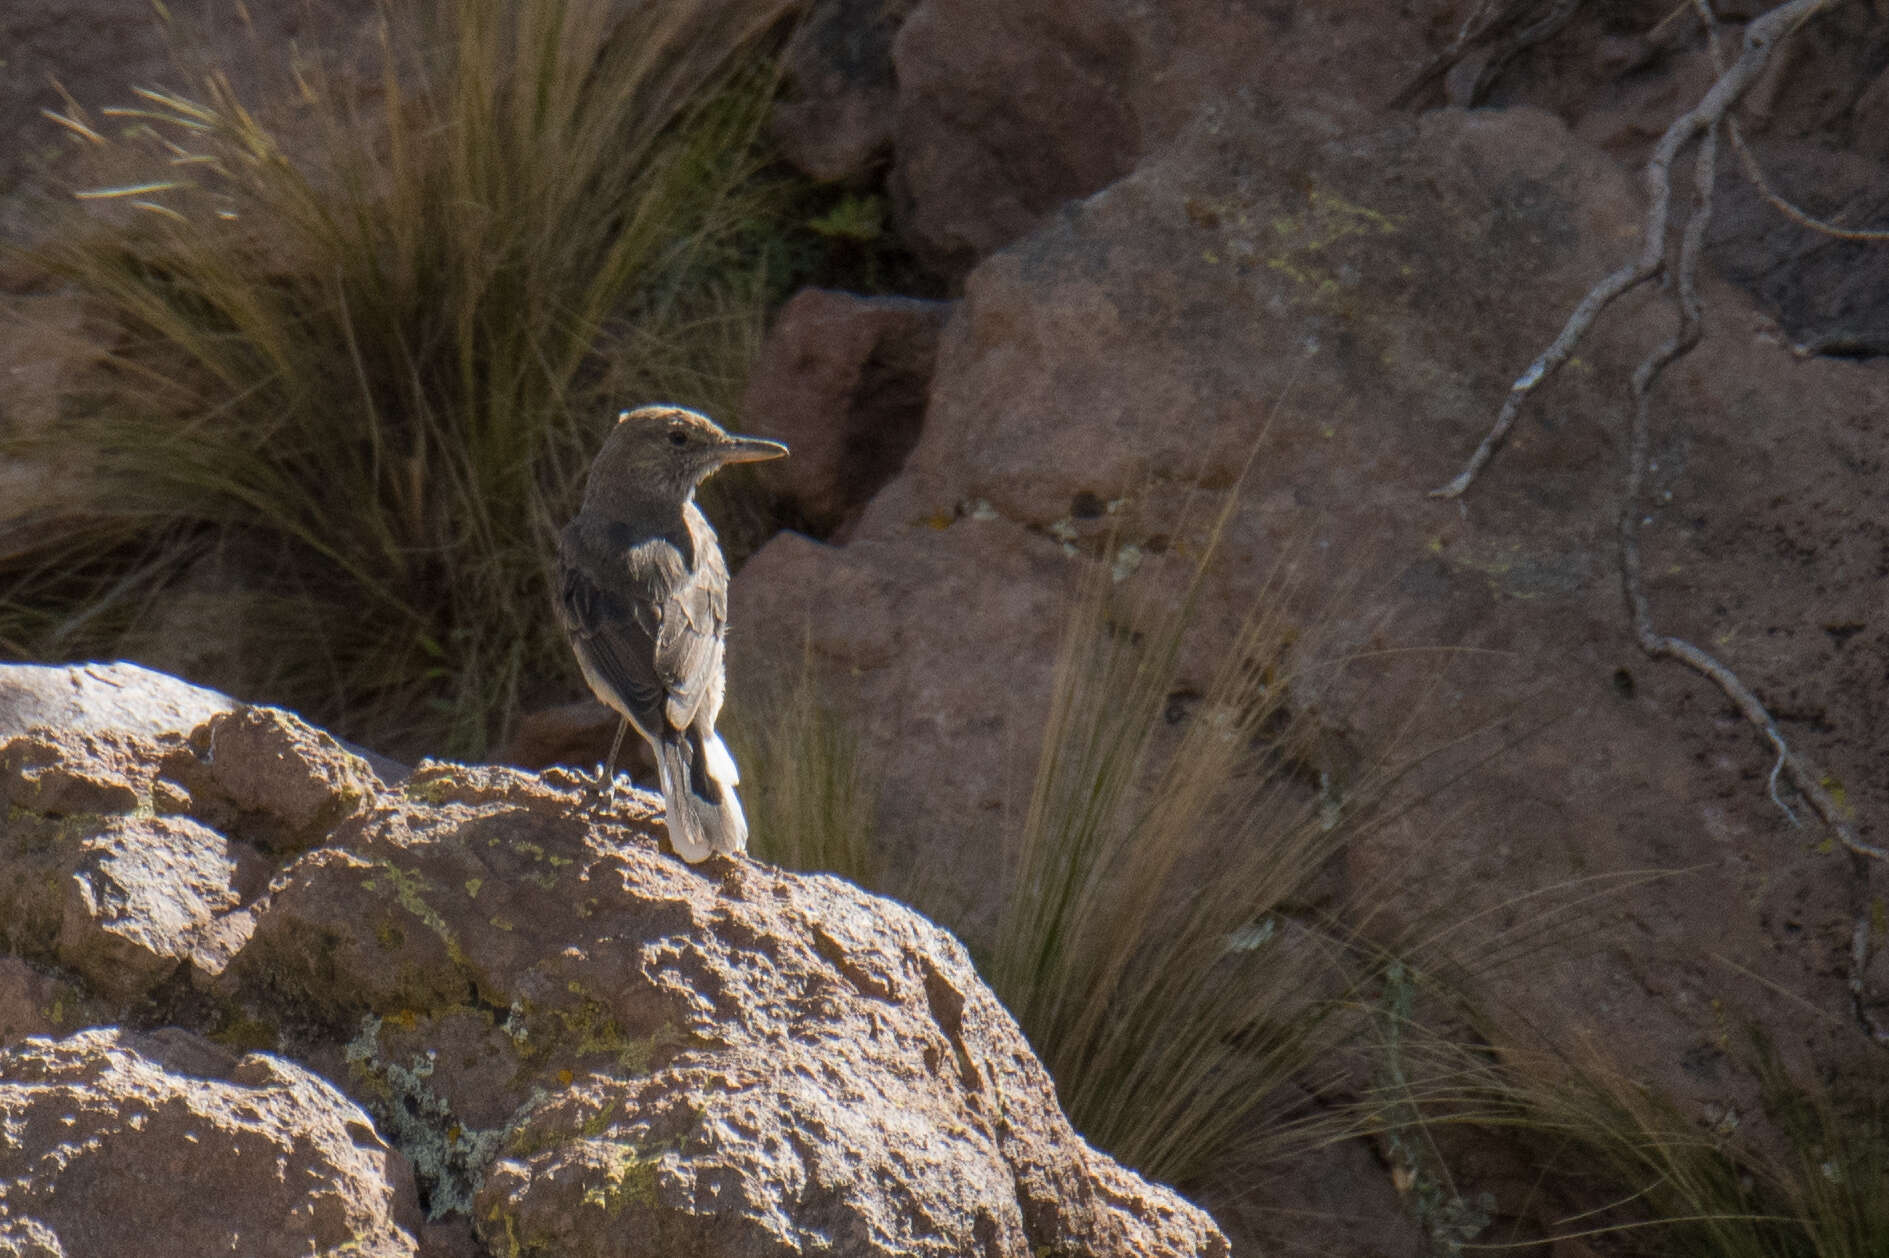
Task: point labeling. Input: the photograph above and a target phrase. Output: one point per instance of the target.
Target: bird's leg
(607, 775)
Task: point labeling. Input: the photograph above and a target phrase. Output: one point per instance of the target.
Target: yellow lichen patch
(434, 790)
(1305, 238)
(588, 1027)
(389, 936)
(409, 890)
(1833, 787)
(599, 1122)
(246, 1034)
(1329, 219)
(629, 1177)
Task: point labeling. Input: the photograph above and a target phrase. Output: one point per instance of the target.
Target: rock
(86, 698)
(79, 759)
(44, 355)
(1872, 117)
(63, 772)
(1004, 112)
(1364, 296)
(123, 902)
(817, 1122)
(1333, 1200)
(1828, 295)
(269, 776)
(842, 380)
(128, 858)
(33, 1002)
(121, 1145)
(90, 50)
(706, 1043)
(571, 1036)
(835, 122)
(963, 724)
(146, 895)
(1008, 109)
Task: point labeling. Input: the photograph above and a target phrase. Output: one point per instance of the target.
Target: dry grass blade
(1154, 946)
(363, 367)
(1654, 1178)
(809, 791)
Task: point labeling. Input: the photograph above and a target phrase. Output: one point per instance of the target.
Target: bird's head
(670, 450)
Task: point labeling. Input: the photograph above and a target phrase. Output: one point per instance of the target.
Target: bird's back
(646, 625)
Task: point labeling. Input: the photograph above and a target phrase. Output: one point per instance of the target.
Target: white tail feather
(699, 826)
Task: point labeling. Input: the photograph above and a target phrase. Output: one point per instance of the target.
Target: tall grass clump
(806, 783)
(1805, 1176)
(364, 335)
(1159, 945)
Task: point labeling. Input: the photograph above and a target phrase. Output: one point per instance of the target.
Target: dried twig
(1762, 37)
(1490, 23)
(1802, 218)
(1654, 643)
(1701, 123)
(1538, 32)
(1749, 160)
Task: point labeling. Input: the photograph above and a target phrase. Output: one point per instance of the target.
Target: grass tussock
(1162, 944)
(1620, 1167)
(363, 337)
(1205, 983)
(806, 782)
(1815, 1186)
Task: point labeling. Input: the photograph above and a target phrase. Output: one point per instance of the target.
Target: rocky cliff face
(1183, 233)
(459, 1012)
(1361, 296)
(1167, 228)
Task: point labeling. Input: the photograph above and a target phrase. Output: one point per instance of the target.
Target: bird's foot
(603, 792)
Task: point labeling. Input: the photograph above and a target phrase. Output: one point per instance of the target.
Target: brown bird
(643, 594)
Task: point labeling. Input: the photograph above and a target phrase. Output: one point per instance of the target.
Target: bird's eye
(677, 437)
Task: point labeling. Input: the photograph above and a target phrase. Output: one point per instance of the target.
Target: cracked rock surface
(116, 1141)
(467, 1015)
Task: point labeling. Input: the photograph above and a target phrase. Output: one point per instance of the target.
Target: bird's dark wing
(645, 627)
(689, 645)
(613, 624)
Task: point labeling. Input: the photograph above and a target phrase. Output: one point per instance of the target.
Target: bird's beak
(750, 450)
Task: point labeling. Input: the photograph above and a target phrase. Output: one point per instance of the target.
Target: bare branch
(1480, 21)
(1749, 160)
(1702, 123)
(1544, 29)
(1658, 645)
(1823, 226)
(1489, 23)
(1762, 37)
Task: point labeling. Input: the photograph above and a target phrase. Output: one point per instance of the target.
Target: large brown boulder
(835, 122)
(1007, 109)
(1363, 293)
(581, 1044)
(842, 379)
(122, 1145)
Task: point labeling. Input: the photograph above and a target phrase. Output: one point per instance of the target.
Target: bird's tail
(698, 792)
